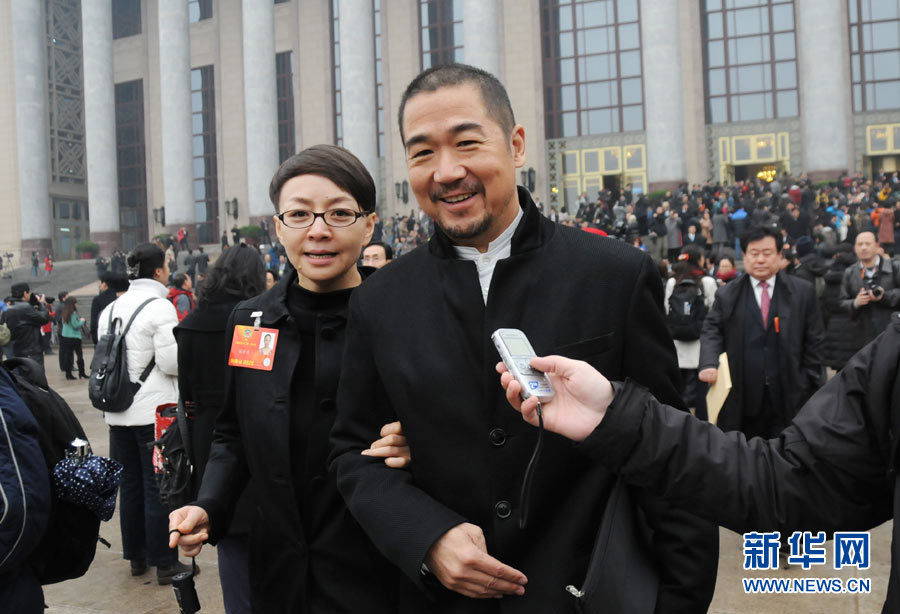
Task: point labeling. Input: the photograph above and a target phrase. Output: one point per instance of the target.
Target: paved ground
(109, 588)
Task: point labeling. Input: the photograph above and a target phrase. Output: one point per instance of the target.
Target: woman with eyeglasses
(305, 552)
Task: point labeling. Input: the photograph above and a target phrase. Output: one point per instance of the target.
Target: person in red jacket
(181, 296)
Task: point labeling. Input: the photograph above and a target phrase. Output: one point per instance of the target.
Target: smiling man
(770, 326)
(453, 522)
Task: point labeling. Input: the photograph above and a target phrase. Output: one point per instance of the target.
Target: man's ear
(517, 145)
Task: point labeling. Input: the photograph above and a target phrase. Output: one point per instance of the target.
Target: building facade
(130, 118)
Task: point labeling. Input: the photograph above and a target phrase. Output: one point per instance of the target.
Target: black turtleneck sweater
(310, 422)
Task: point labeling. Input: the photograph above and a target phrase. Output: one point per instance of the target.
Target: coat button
(503, 509)
(498, 437)
(328, 333)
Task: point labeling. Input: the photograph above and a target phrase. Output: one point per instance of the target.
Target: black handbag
(621, 576)
(174, 469)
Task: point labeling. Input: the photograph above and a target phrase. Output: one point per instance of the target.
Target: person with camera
(870, 290)
(26, 315)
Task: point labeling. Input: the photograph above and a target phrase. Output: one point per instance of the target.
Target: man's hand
(459, 560)
(863, 298)
(581, 396)
(392, 446)
(188, 528)
(708, 375)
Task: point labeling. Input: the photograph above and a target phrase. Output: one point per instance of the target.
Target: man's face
(762, 259)
(865, 247)
(325, 257)
(462, 167)
(374, 256)
(188, 285)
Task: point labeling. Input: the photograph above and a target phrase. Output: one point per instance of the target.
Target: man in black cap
(24, 321)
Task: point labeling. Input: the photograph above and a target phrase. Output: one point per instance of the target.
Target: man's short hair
(761, 232)
(62, 295)
(18, 289)
(179, 280)
(334, 163)
(493, 94)
(388, 252)
(117, 282)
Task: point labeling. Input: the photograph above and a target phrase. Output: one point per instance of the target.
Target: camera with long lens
(185, 591)
(872, 286)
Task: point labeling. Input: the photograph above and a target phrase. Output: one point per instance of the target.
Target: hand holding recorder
(579, 404)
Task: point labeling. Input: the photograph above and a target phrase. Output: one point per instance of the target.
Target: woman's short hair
(144, 260)
(335, 164)
(238, 272)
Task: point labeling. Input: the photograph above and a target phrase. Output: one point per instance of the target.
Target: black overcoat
(801, 337)
(252, 440)
(202, 362)
(419, 349)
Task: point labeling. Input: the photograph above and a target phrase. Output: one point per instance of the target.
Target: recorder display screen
(518, 346)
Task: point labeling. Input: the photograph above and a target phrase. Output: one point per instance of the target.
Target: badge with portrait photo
(253, 348)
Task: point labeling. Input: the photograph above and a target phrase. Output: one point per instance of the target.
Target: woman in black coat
(841, 338)
(306, 553)
(237, 275)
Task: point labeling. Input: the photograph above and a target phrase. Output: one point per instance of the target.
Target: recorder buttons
(525, 367)
(503, 509)
(498, 437)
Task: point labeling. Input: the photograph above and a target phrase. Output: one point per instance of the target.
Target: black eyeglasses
(337, 218)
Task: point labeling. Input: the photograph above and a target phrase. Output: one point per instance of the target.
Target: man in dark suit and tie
(692, 237)
(769, 325)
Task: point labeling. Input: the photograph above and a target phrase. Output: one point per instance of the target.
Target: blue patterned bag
(88, 481)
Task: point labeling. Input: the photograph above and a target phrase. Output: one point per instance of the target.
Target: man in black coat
(870, 290)
(833, 469)
(111, 286)
(452, 524)
(24, 320)
(769, 325)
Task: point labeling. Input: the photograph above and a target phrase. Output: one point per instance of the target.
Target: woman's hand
(392, 447)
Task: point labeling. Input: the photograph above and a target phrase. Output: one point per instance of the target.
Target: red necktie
(764, 303)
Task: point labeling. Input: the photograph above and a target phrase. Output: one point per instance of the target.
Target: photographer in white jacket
(144, 521)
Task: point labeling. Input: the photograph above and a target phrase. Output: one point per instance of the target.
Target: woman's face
(726, 265)
(325, 257)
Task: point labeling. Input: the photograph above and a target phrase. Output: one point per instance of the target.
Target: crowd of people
(349, 455)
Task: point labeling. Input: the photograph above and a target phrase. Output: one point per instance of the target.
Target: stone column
(823, 66)
(31, 127)
(358, 103)
(100, 123)
(663, 106)
(260, 110)
(481, 34)
(175, 120)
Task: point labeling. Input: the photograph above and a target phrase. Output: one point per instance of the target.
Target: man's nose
(448, 168)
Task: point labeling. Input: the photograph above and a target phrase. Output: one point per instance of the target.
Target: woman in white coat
(143, 519)
(691, 264)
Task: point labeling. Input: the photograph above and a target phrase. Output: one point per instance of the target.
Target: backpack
(110, 387)
(70, 541)
(687, 310)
